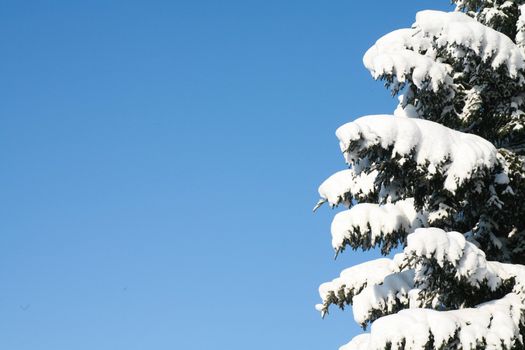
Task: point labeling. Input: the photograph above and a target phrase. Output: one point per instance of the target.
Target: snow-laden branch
(352, 281)
(374, 289)
(412, 54)
(456, 31)
(366, 225)
(455, 154)
(397, 54)
(492, 325)
(344, 185)
(450, 250)
(389, 296)
(433, 263)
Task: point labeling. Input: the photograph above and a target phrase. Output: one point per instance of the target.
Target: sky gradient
(160, 160)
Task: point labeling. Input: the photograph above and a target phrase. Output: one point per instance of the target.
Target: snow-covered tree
(443, 178)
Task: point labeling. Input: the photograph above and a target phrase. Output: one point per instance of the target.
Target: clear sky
(159, 163)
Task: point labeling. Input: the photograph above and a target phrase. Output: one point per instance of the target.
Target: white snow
(411, 53)
(396, 54)
(359, 342)
(520, 25)
(433, 143)
(346, 181)
(353, 279)
(496, 321)
(407, 111)
(384, 296)
(381, 285)
(451, 247)
(377, 221)
(501, 179)
(458, 28)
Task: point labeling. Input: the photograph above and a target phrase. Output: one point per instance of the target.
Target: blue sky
(160, 160)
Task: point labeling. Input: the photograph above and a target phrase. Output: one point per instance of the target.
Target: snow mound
(384, 298)
(458, 155)
(372, 223)
(452, 248)
(396, 54)
(383, 286)
(454, 30)
(336, 188)
(411, 53)
(497, 322)
(353, 280)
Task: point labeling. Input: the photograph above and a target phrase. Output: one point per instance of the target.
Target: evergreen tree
(444, 179)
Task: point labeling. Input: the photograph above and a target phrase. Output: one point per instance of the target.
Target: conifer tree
(443, 179)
